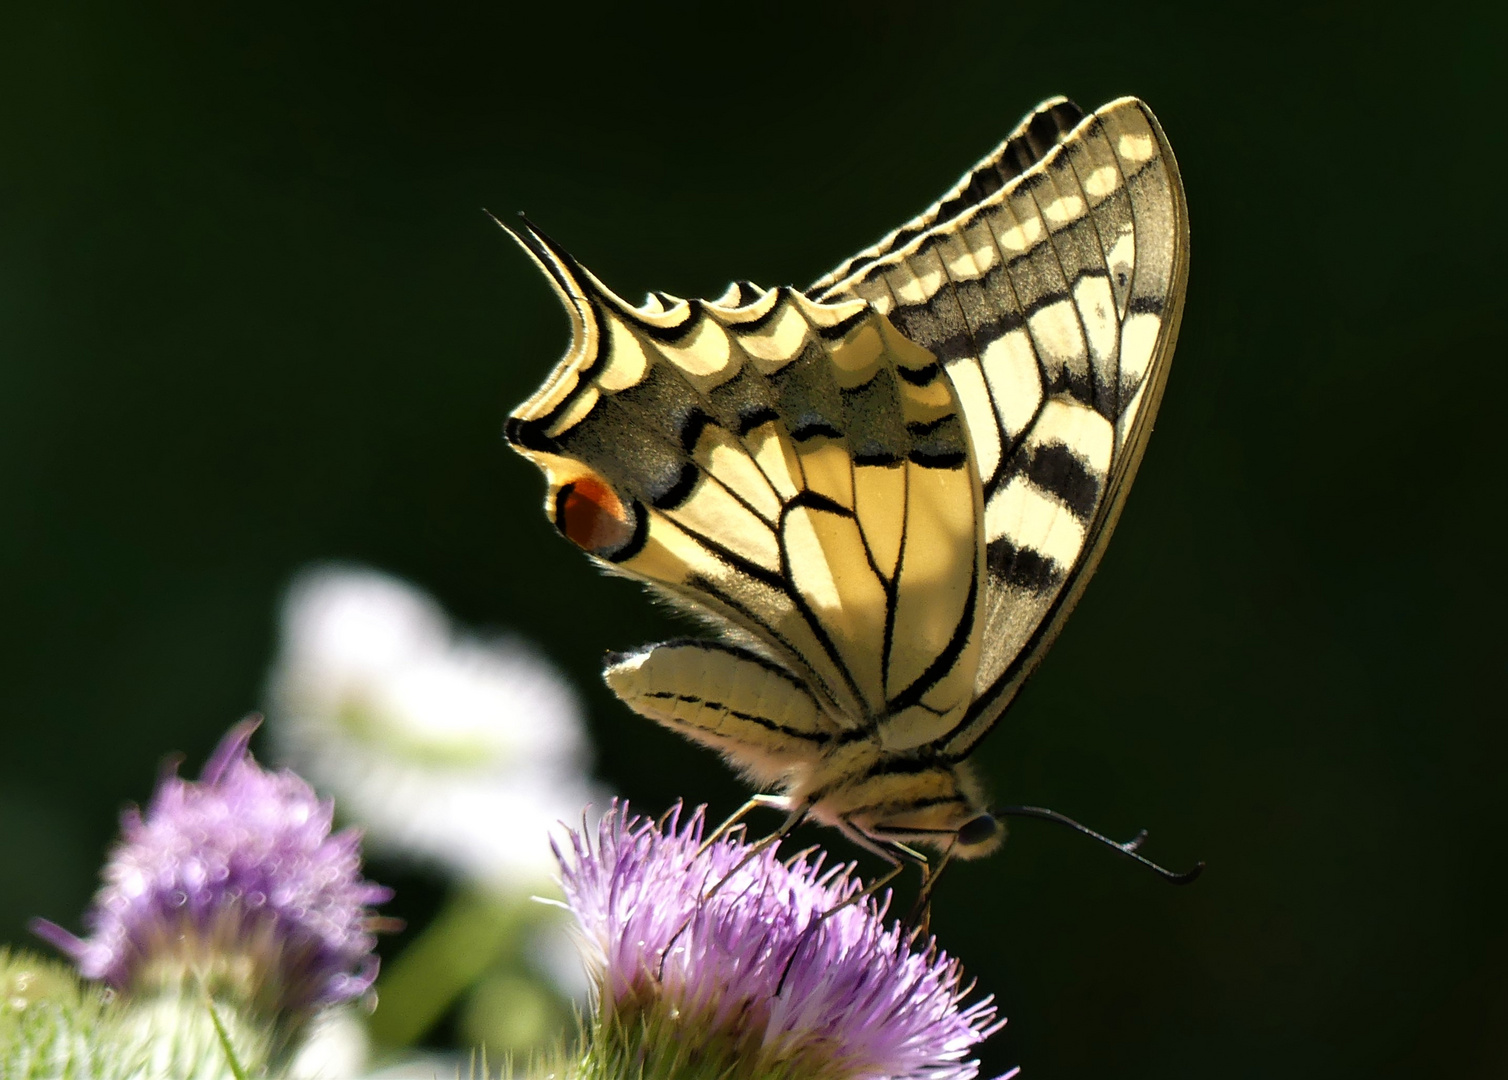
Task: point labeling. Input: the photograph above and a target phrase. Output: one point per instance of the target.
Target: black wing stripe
(759, 721)
(1023, 567)
(1057, 470)
(943, 663)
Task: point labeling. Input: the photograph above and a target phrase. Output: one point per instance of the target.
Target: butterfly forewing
(1053, 302)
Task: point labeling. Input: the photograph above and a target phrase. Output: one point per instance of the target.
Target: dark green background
(251, 314)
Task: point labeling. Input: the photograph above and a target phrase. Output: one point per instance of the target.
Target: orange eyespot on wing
(590, 515)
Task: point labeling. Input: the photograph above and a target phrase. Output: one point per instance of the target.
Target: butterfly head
(959, 832)
(980, 835)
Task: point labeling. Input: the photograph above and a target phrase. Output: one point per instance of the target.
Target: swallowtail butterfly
(886, 490)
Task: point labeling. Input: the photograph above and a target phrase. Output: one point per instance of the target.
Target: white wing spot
(1138, 339)
(1136, 147)
(1102, 182)
(920, 288)
(705, 353)
(1023, 236)
(969, 264)
(779, 342)
(1063, 210)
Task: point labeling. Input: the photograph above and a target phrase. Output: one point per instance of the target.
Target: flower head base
(236, 883)
(754, 978)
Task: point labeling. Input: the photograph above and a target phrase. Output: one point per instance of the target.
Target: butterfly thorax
(912, 797)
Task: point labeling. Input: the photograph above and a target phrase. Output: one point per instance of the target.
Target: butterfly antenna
(1128, 849)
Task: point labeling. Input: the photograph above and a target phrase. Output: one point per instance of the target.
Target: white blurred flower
(449, 749)
(335, 1046)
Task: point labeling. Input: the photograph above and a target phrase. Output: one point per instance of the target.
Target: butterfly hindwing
(1053, 301)
(754, 712)
(798, 470)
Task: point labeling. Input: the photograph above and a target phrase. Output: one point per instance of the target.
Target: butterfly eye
(590, 514)
(978, 830)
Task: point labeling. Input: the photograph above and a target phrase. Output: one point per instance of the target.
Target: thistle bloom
(752, 977)
(449, 749)
(236, 882)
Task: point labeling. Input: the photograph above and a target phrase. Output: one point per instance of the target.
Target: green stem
(452, 953)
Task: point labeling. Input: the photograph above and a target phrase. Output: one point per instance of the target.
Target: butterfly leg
(793, 819)
(898, 855)
(920, 915)
(921, 911)
(774, 802)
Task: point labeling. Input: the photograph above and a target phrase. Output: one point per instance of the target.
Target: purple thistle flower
(753, 975)
(236, 881)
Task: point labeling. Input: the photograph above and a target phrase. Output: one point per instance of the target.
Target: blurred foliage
(53, 1027)
(252, 315)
